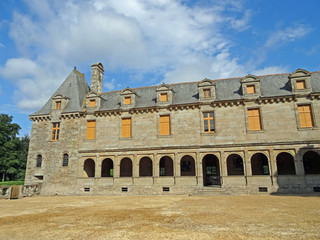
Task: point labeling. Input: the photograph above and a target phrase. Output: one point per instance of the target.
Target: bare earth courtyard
(161, 217)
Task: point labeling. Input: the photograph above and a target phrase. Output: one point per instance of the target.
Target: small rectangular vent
(124, 189)
(86, 189)
(39, 177)
(263, 189)
(316, 189)
(166, 189)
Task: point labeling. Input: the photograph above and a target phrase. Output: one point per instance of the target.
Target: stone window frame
(39, 161)
(65, 162)
(52, 128)
(121, 127)
(250, 80)
(158, 124)
(202, 122)
(247, 119)
(95, 129)
(164, 89)
(300, 75)
(207, 85)
(59, 99)
(315, 125)
(92, 97)
(125, 93)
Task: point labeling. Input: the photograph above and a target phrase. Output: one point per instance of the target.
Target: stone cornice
(39, 118)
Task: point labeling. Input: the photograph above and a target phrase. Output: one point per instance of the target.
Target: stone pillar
(135, 166)
(116, 167)
(97, 173)
(223, 164)
(176, 166)
(298, 162)
(247, 163)
(273, 164)
(155, 165)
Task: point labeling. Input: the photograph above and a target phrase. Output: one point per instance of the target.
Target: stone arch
(39, 160)
(311, 162)
(285, 164)
(235, 165)
(89, 168)
(107, 168)
(65, 160)
(126, 167)
(259, 164)
(211, 170)
(145, 167)
(166, 166)
(187, 166)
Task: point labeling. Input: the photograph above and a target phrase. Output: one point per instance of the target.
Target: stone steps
(211, 191)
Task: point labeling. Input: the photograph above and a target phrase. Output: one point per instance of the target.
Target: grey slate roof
(75, 87)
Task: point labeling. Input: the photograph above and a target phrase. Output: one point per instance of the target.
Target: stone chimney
(97, 71)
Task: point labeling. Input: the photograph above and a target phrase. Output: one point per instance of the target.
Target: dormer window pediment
(207, 90)
(250, 86)
(164, 94)
(300, 81)
(92, 101)
(59, 102)
(128, 98)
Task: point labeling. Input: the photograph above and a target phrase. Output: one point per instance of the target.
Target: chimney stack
(97, 71)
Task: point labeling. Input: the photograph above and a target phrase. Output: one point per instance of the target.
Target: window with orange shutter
(126, 127)
(165, 125)
(301, 84)
(55, 131)
(92, 103)
(127, 100)
(91, 129)
(305, 116)
(254, 119)
(206, 93)
(58, 105)
(251, 89)
(163, 97)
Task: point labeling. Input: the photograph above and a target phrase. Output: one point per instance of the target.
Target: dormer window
(300, 81)
(127, 100)
(250, 85)
(58, 105)
(206, 93)
(92, 103)
(207, 90)
(301, 84)
(163, 97)
(251, 89)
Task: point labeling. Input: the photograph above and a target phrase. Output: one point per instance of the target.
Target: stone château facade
(244, 135)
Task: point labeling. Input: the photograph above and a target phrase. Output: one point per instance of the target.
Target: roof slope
(75, 88)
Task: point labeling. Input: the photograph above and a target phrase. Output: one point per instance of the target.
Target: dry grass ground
(161, 217)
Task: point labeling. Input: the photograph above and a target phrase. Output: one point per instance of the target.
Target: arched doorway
(126, 167)
(107, 168)
(311, 162)
(235, 165)
(166, 166)
(285, 164)
(187, 166)
(259, 164)
(211, 170)
(145, 167)
(89, 168)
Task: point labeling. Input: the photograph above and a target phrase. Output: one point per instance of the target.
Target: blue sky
(143, 43)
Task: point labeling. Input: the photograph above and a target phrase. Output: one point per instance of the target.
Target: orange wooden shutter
(127, 100)
(206, 93)
(301, 84)
(126, 127)
(305, 116)
(164, 97)
(58, 104)
(91, 129)
(165, 125)
(254, 120)
(251, 89)
(92, 103)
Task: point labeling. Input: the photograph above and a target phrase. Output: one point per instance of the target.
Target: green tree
(13, 150)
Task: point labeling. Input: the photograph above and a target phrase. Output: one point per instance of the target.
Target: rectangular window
(58, 105)
(251, 89)
(305, 116)
(91, 129)
(254, 120)
(206, 93)
(301, 84)
(127, 100)
(208, 122)
(92, 103)
(126, 127)
(163, 97)
(165, 125)
(55, 131)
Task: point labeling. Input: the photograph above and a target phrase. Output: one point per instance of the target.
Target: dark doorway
(187, 166)
(107, 168)
(145, 167)
(126, 167)
(285, 164)
(89, 168)
(166, 166)
(259, 164)
(211, 170)
(311, 163)
(235, 165)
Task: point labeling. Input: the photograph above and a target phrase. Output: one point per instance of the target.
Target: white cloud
(1, 45)
(271, 70)
(287, 35)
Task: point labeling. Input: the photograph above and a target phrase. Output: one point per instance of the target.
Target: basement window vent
(166, 189)
(87, 189)
(39, 177)
(263, 189)
(124, 189)
(316, 189)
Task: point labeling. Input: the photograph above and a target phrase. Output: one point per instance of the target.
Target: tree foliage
(13, 150)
